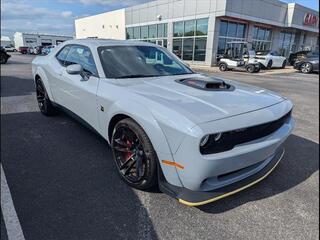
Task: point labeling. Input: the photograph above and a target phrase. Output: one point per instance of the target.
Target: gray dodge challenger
(199, 138)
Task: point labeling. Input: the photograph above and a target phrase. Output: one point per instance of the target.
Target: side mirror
(74, 69)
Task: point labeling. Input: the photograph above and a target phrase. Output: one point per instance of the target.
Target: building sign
(310, 19)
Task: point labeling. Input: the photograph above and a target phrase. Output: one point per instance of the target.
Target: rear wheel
(134, 155)
(284, 64)
(306, 68)
(44, 102)
(223, 67)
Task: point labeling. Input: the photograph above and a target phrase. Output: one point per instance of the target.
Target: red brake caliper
(128, 155)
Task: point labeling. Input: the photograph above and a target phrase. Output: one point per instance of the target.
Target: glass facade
(261, 39)
(230, 31)
(156, 33)
(286, 43)
(190, 39)
(148, 31)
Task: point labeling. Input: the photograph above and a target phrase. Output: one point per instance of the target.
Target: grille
(230, 139)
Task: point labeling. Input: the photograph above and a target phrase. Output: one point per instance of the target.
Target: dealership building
(198, 30)
(37, 39)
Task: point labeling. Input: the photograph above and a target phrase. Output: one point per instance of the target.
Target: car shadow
(300, 161)
(14, 86)
(64, 183)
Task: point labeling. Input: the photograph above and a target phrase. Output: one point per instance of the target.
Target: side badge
(102, 108)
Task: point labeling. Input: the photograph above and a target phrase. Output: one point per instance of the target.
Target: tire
(250, 69)
(257, 70)
(3, 59)
(223, 67)
(134, 155)
(306, 68)
(284, 64)
(44, 103)
(269, 65)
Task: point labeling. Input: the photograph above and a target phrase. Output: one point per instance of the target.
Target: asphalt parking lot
(64, 185)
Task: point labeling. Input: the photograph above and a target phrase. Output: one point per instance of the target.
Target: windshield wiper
(137, 76)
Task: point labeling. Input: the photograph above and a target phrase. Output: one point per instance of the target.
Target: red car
(23, 50)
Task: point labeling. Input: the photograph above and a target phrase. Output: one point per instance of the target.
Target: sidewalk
(288, 69)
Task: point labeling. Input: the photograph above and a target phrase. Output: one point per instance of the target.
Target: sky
(57, 16)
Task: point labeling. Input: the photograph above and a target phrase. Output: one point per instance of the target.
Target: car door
(78, 94)
(276, 59)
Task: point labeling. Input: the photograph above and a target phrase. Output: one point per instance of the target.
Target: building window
(178, 29)
(261, 39)
(200, 49)
(162, 30)
(136, 32)
(177, 47)
(202, 27)
(189, 28)
(190, 39)
(156, 33)
(286, 43)
(230, 31)
(144, 32)
(152, 31)
(129, 33)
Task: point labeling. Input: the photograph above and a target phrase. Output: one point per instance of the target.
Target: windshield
(262, 52)
(139, 61)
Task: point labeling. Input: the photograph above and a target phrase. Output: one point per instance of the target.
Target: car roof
(98, 42)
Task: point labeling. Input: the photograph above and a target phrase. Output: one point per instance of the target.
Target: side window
(62, 55)
(83, 56)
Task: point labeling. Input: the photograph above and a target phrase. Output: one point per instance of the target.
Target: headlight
(204, 140)
(216, 137)
(210, 138)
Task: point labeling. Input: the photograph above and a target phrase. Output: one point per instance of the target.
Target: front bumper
(197, 198)
(297, 65)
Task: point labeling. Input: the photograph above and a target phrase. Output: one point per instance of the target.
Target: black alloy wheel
(134, 155)
(44, 102)
(250, 69)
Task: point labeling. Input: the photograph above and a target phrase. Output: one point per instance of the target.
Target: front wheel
(223, 67)
(135, 158)
(306, 68)
(3, 59)
(250, 69)
(44, 103)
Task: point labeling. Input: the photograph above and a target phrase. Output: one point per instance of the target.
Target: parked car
(4, 56)
(47, 49)
(37, 50)
(31, 50)
(23, 50)
(297, 56)
(200, 138)
(271, 59)
(10, 48)
(308, 64)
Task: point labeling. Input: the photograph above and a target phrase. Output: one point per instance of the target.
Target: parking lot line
(12, 223)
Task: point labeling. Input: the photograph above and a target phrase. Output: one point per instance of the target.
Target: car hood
(201, 105)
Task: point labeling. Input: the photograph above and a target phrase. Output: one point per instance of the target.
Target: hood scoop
(206, 83)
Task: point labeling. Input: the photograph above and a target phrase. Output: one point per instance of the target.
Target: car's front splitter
(196, 198)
